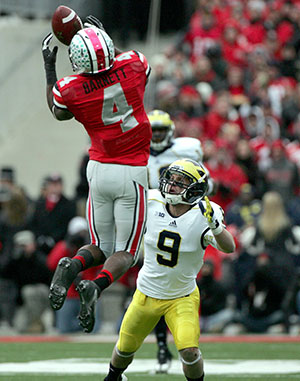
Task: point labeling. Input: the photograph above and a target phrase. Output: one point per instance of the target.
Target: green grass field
(80, 358)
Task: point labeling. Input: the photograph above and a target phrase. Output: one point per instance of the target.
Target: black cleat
(122, 377)
(61, 282)
(164, 358)
(89, 294)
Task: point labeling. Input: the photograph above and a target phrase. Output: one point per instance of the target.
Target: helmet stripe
(92, 43)
(96, 40)
(105, 50)
(91, 221)
(89, 48)
(91, 51)
(138, 225)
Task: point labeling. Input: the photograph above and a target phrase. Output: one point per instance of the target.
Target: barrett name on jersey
(173, 249)
(109, 107)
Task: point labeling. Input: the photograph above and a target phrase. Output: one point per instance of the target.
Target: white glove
(214, 222)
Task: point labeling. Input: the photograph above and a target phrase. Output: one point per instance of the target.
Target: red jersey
(110, 107)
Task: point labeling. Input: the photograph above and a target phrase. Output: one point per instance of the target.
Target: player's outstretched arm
(49, 57)
(224, 239)
(50, 66)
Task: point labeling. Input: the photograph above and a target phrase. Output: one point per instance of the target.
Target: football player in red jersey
(106, 97)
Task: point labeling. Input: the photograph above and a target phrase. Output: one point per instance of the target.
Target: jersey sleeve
(189, 148)
(57, 97)
(209, 239)
(145, 63)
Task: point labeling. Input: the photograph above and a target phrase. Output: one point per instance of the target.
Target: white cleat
(163, 368)
(164, 359)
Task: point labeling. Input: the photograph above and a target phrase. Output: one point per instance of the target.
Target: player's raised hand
(48, 55)
(93, 21)
(214, 221)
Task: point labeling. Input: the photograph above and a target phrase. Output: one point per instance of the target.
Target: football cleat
(61, 282)
(164, 359)
(122, 377)
(89, 293)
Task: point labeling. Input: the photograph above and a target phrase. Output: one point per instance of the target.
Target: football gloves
(49, 59)
(93, 21)
(212, 220)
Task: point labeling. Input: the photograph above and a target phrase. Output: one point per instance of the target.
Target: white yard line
(100, 366)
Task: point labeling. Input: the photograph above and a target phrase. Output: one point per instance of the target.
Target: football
(65, 24)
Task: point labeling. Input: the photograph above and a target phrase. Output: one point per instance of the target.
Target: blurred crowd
(230, 80)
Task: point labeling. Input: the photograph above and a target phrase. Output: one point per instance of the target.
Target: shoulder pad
(188, 147)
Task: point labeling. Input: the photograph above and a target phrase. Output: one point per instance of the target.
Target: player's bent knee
(124, 354)
(190, 356)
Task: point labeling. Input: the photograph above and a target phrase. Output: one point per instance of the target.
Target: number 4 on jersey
(116, 109)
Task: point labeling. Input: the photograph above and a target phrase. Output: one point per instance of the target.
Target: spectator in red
(218, 115)
(285, 26)
(255, 31)
(228, 175)
(221, 9)
(189, 102)
(234, 45)
(203, 35)
(236, 86)
(261, 144)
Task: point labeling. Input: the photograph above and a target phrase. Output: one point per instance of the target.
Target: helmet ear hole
(196, 191)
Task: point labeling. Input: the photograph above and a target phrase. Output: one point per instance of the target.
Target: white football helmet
(193, 191)
(91, 51)
(161, 120)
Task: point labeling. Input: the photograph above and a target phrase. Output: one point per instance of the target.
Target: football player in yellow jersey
(181, 223)
(165, 149)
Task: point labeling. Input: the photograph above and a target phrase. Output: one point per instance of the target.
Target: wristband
(217, 230)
